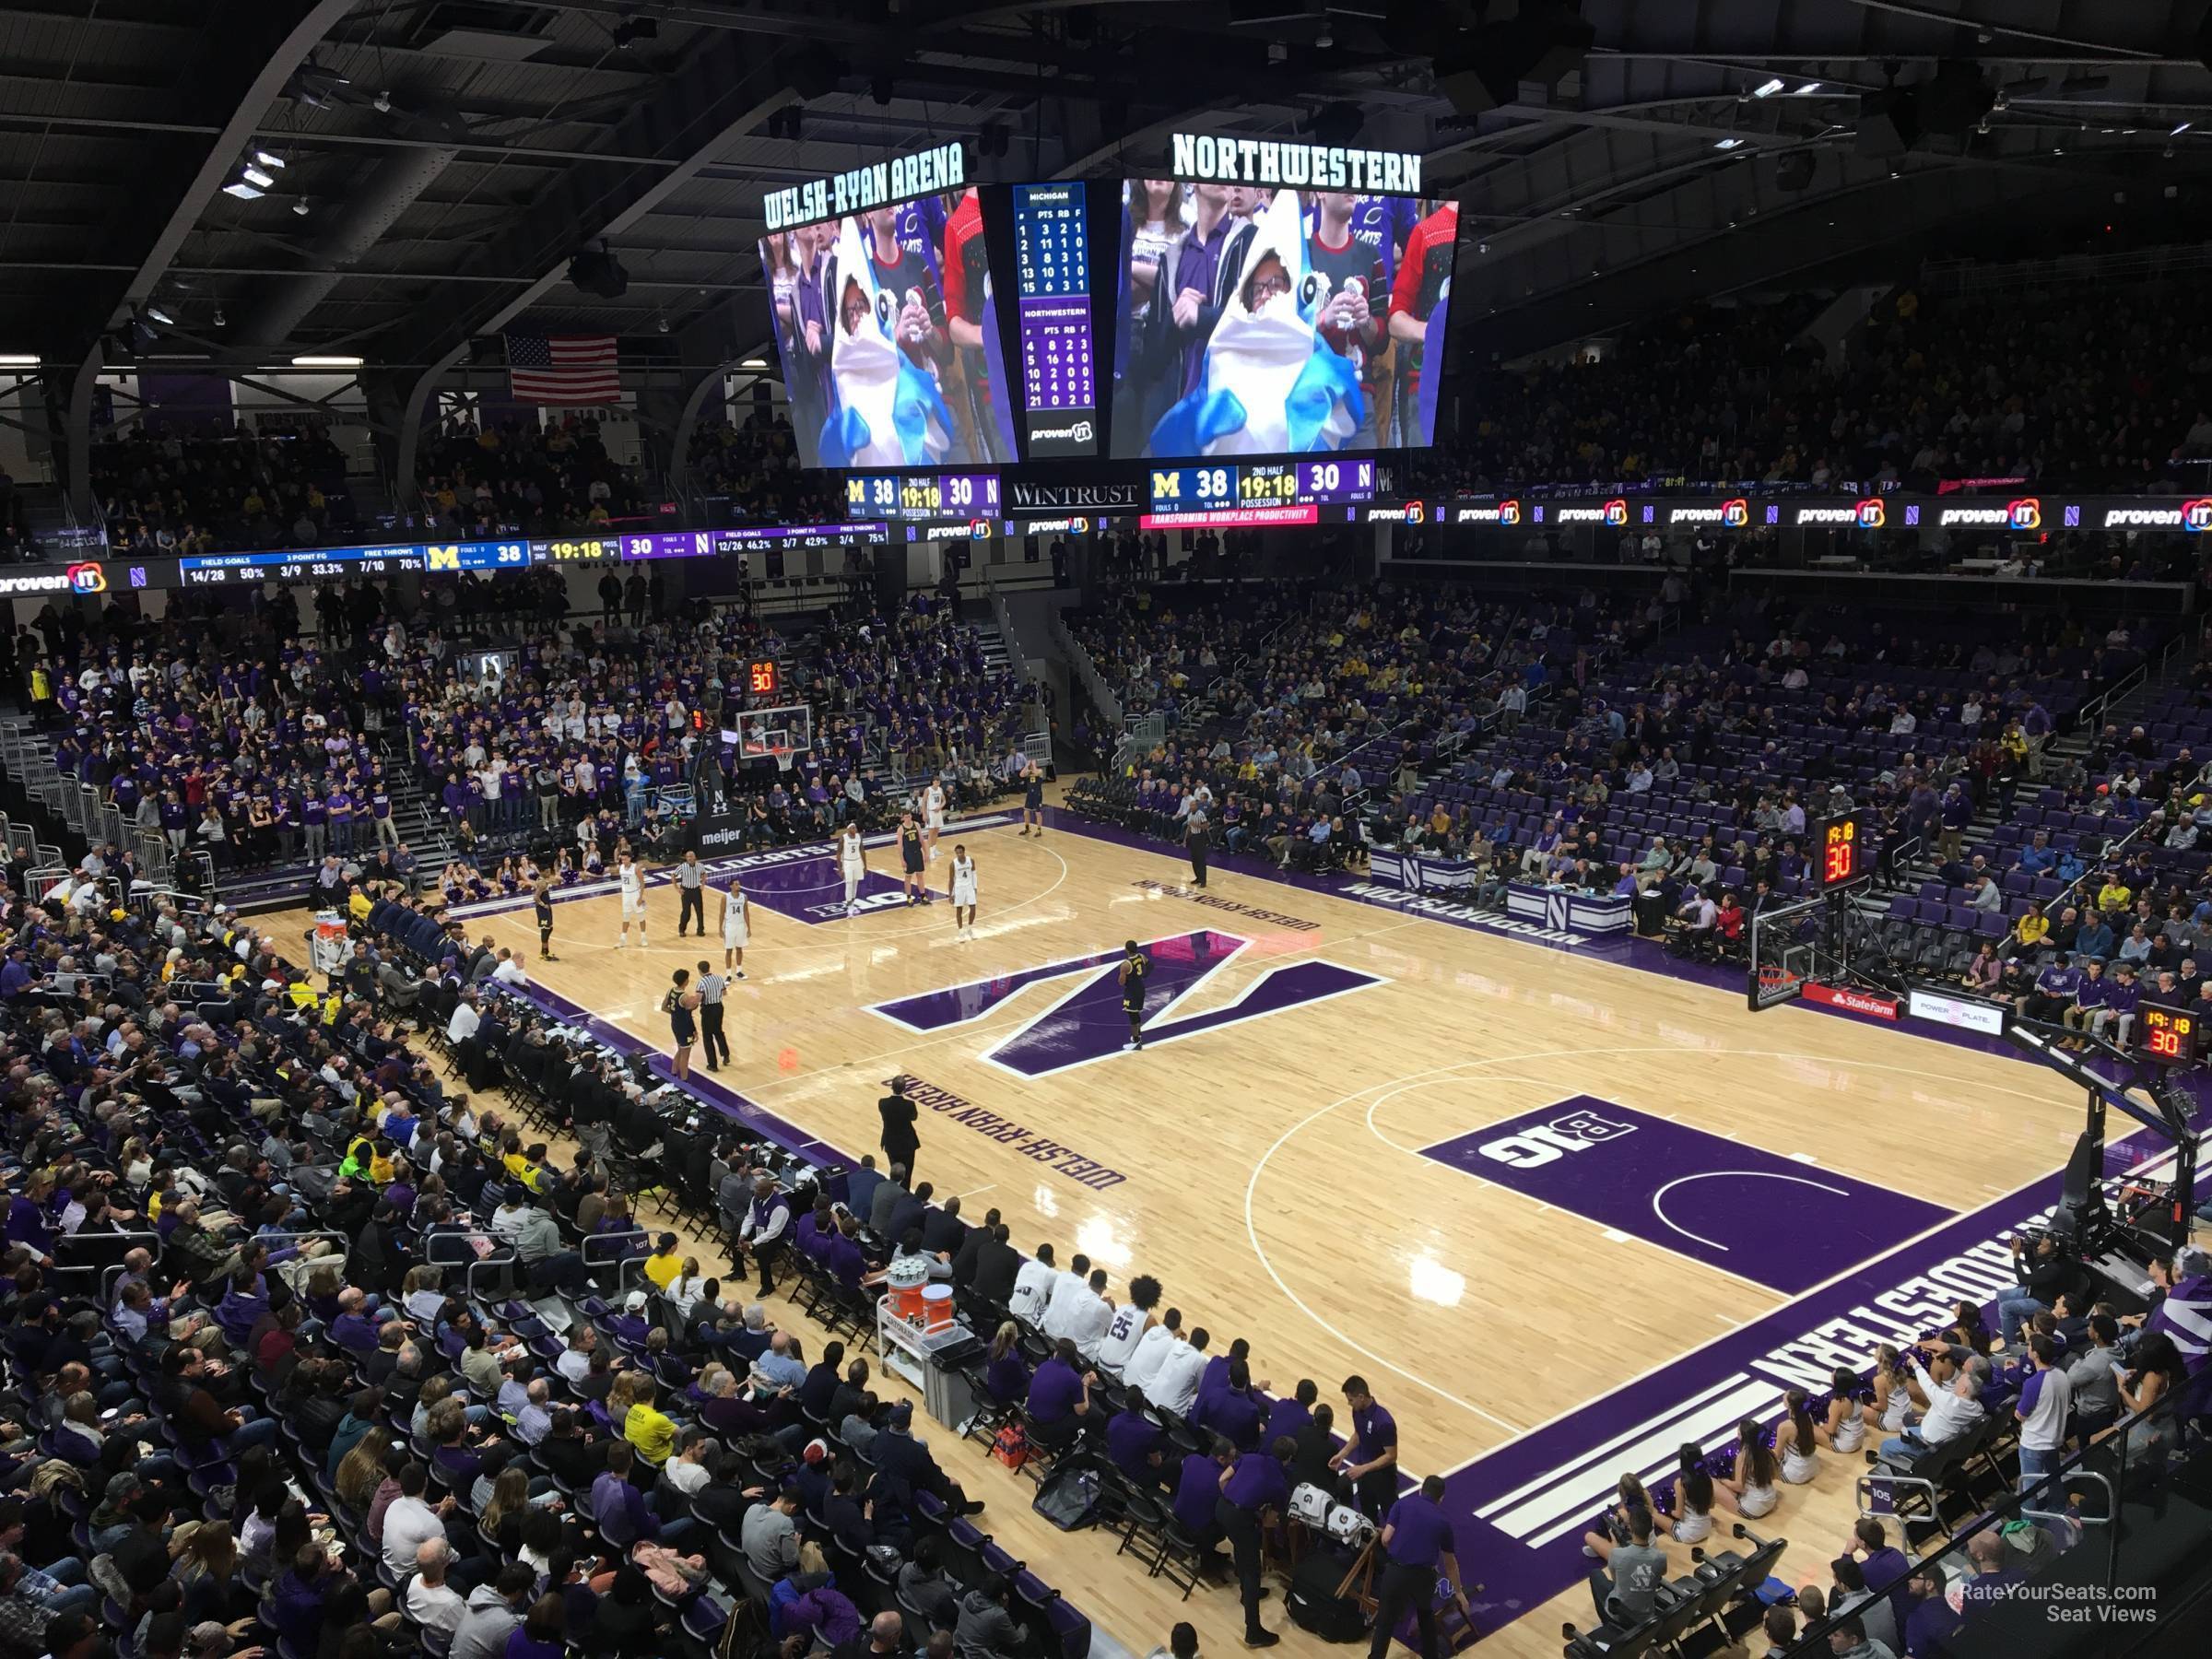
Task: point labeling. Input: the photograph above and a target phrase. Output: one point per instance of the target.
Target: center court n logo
(1086, 1024)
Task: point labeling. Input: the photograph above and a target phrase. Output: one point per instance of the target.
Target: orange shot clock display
(2167, 1034)
(1841, 853)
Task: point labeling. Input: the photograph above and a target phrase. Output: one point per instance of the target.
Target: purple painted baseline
(1821, 1224)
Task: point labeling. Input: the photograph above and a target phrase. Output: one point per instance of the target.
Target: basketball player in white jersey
(963, 894)
(631, 880)
(932, 816)
(736, 925)
(853, 864)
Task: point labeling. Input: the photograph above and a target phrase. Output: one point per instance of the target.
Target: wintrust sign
(2027, 513)
(2189, 515)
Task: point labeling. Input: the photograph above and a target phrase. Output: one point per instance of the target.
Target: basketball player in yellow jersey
(912, 859)
(630, 880)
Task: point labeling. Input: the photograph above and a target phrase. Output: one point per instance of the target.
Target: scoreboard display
(307, 564)
(1281, 492)
(2166, 1035)
(1841, 853)
(920, 497)
(1059, 379)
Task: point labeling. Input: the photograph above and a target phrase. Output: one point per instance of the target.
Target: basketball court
(1565, 1213)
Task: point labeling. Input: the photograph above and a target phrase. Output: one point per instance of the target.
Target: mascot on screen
(1270, 384)
(885, 408)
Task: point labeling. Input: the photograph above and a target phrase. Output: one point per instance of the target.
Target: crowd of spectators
(223, 730)
(593, 724)
(750, 469)
(1291, 717)
(165, 489)
(524, 477)
(2079, 387)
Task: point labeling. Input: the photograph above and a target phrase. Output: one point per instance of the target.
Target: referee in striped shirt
(712, 986)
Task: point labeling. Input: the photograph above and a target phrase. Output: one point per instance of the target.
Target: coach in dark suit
(996, 1263)
(900, 1141)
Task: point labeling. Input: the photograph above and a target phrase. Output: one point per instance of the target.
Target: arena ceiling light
(1727, 144)
(253, 175)
(241, 190)
(18, 360)
(326, 363)
(1767, 89)
(158, 316)
(1807, 89)
(2181, 129)
(268, 158)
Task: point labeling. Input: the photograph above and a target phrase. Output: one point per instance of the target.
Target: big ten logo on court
(1541, 1144)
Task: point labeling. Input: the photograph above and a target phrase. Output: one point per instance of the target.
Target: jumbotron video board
(1279, 299)
(1244, 299)
(885, 317)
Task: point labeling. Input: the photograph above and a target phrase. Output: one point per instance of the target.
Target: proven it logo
(1870, 513)
(2026, 514)
(1086, 1023)
(2194, 516)
(1616, 511)
(87, 579)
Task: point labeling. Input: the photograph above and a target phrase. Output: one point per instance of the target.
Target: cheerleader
(963, 894)
(1796, 1438)
(1689, 1511)
(736, 926)
(1842, 1429)
(1892, 1395)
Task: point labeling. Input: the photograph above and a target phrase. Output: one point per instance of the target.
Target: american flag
(566, 369)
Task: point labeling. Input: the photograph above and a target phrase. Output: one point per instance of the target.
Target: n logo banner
(1086, 1023)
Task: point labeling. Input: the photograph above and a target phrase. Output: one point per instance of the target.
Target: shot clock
(1841, 853)
(761, 678)
(2166, 1035)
